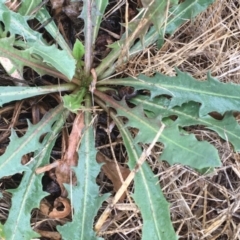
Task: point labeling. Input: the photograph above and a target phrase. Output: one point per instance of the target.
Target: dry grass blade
(114, 171)
(208, 43)
(127, 182)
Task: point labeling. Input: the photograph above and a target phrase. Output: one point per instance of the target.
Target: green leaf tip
(154, 207)
(73, 102)
(78, 52)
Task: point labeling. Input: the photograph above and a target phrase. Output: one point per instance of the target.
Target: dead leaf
(111, 171)
(10, 68)
(73, 10)
(48, 167)
(71, 154)
(60, 214)
(45, 207)
(25, 159)
(47, 234)
(57, 3)
(63, 167)
(13, 5)
(63, 172)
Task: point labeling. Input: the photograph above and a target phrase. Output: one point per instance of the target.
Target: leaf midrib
(153, 129)
(143, 178)
(188, 116)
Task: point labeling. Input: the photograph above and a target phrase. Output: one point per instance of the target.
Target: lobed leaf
(11, 93)
(153, 206)
(10, 161)
(16, 24)
(21, 58)
(187, 115)
(54, 57)
(213, 95)
(179, 147)
(84, 196)
(18, 225)
(43, 16)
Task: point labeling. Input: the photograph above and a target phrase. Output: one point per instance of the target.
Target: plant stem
(88, 105)
(108, 61)
(88, 37)
(59, 88)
